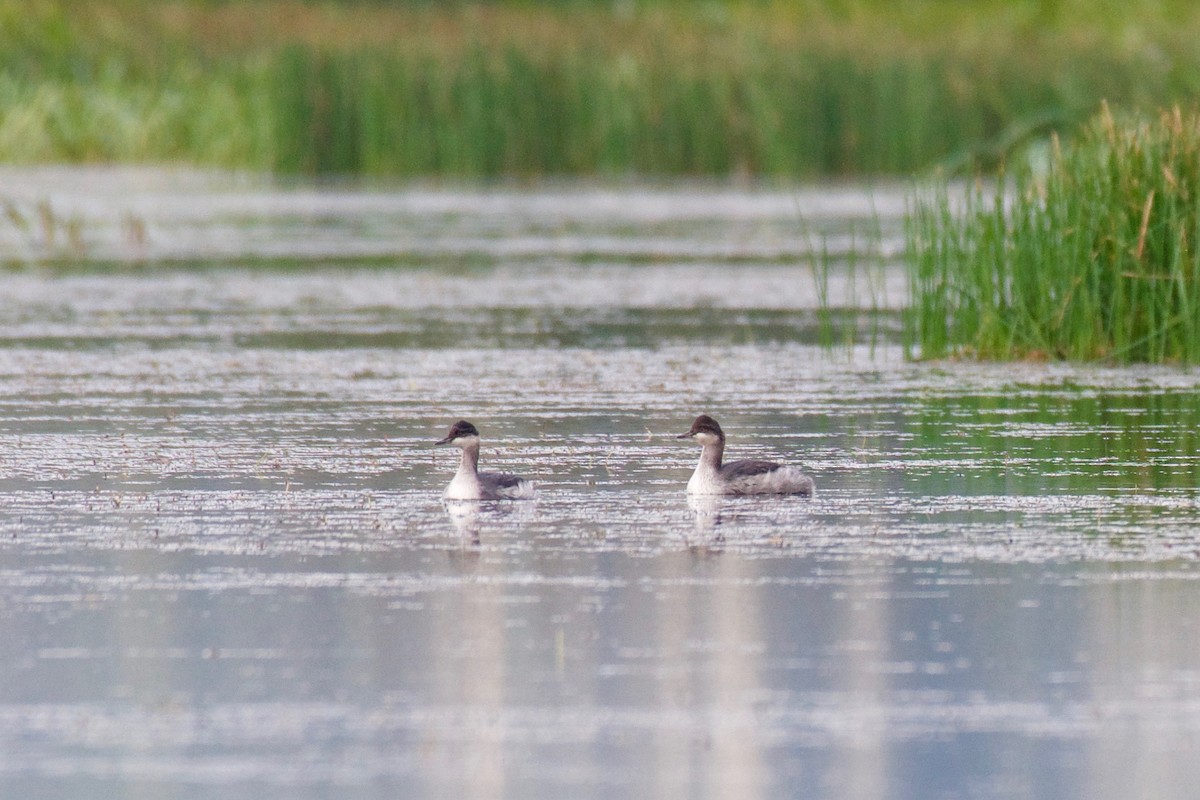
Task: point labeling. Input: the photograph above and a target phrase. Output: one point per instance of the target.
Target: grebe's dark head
(705, 430)
(460, 434)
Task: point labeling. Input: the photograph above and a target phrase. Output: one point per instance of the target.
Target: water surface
(225, 570)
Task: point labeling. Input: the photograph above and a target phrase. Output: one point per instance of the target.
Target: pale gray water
(225, 570)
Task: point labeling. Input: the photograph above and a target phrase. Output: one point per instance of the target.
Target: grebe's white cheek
(463, 442)
(705, 438)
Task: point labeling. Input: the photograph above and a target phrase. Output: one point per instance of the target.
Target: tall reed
(755, 111)
(1097, 257)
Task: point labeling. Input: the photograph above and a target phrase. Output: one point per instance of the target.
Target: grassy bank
(1096, 258)
(800, 89)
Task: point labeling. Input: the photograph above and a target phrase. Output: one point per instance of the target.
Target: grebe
(738, 477)
(471, 484)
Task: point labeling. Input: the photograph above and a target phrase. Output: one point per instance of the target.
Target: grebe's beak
(447, 440)
(687, 435)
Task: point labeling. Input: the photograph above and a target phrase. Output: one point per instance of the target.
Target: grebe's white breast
(464, 487)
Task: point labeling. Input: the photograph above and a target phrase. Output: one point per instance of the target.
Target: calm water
(225, 570)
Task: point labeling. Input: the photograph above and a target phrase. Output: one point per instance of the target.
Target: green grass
(1096, 257)
(799, 89)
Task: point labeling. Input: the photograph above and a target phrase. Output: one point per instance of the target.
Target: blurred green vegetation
(651, 87)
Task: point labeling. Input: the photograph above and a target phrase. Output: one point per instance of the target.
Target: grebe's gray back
(748, 476)
(471, 484)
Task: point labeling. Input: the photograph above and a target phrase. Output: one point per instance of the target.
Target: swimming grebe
(738, 477)
(471, 484)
